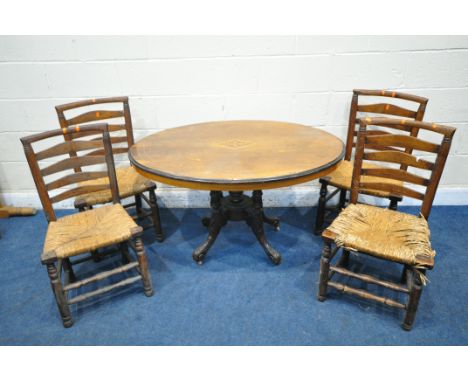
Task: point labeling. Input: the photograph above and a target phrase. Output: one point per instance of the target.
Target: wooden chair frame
(412, 279)
(99, 115)
(387, 108)
(56, 264)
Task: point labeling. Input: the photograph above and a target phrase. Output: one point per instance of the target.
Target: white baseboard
(285, 197)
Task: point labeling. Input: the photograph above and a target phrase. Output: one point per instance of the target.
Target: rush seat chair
(384, 233)
(70, 237)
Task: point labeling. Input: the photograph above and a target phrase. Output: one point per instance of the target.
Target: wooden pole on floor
(7, 211)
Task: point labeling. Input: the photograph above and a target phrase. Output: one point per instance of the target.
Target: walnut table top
(237, 155)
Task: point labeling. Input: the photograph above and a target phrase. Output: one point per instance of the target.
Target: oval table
(237, 156)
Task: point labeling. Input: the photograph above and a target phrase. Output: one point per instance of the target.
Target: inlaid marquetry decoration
(235, 143)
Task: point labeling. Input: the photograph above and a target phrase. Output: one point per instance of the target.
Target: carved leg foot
(275, 222)
(143, 265)
(155, 215)
(60, 298)
(200, 253)
(216, 221)
(255, 221)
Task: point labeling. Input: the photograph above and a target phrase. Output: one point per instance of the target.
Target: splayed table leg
(237, 206)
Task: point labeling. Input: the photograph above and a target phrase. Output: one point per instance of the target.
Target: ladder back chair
(341, 177)
(131, 184)
(384, 233)
(82, 232)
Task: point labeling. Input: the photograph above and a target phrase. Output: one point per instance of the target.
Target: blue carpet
(237, 297)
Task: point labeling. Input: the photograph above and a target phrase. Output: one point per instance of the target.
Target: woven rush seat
(383, 233)
(129, 181)
(88, 231)
(341, 177)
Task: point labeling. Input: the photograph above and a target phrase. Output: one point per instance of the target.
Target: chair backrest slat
(112, 127)
(113, 139)
(360, 182)
(118, 150)
(387, 107)
(109, 177)
(77, 191)
(93, 116)
(393, 189)
(98, 115)
(92, 101)
(400, 158)
(387, 148)
(373, 132)
(391, 94)
(395, 127)
(69, 163)
(65, 147)
(397, 174)
(75, 178)
(403, 141)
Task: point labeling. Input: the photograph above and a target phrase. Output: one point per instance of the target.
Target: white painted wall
(184, 79)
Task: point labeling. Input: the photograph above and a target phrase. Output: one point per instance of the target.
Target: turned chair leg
(155, 214)
(67, 266)
(138, 204)
(324, 270)
(342, 198)
(413, 301)
(319, 220)
(124, 253)
(60, 298)
(143, 265)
